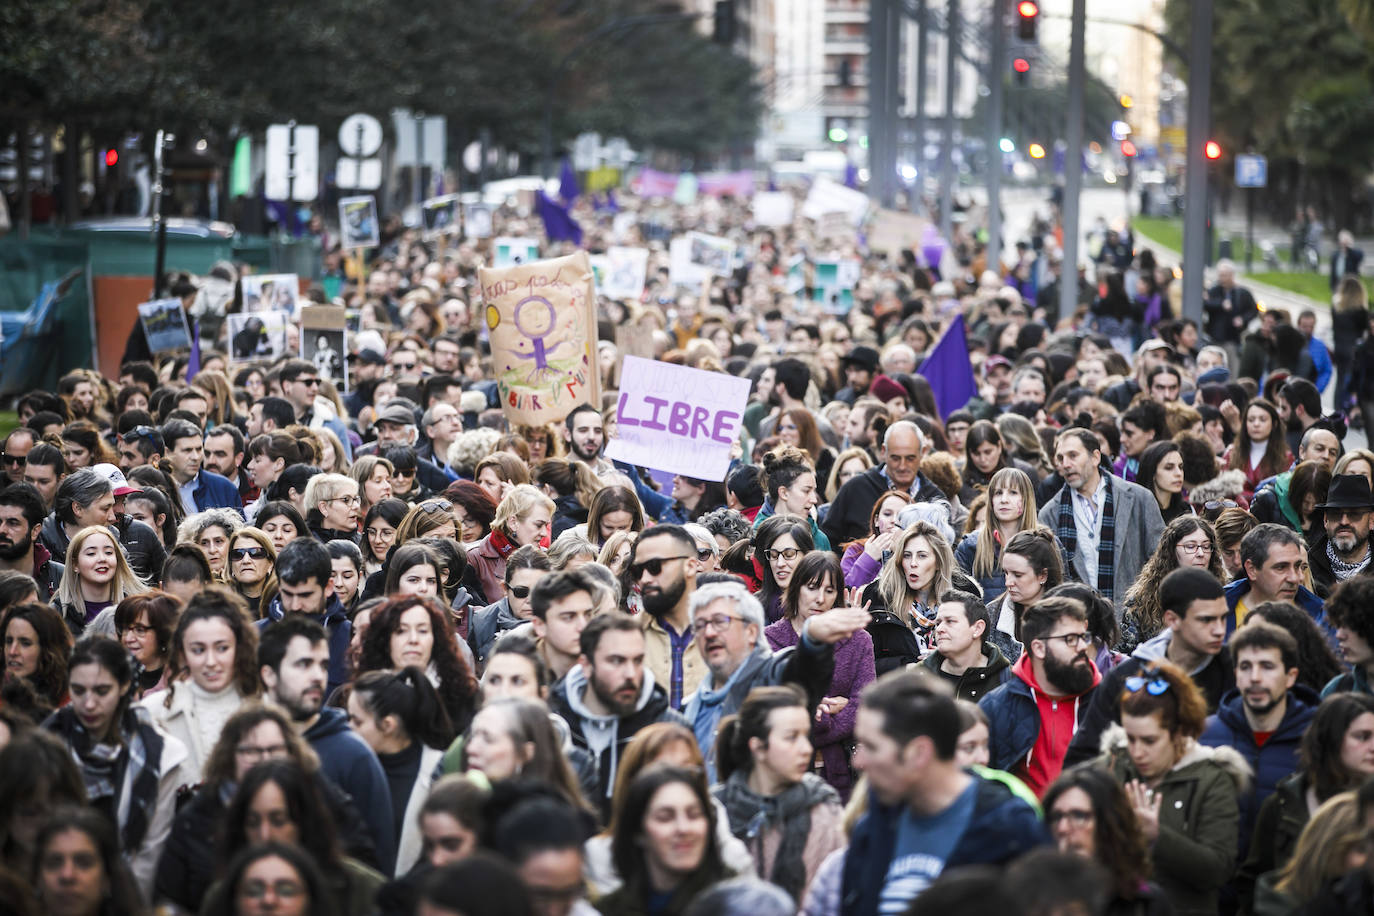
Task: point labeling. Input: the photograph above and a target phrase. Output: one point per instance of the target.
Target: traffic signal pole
(1073, 161)
(997, 62)
(1195, 203)
(947, 176)
(917, 201)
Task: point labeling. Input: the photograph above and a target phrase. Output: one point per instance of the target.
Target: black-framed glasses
(654, 566)
(137, 629)
(1073, 640)
(520, 591)
(1152, 682)
(787, 553)
(244, 553)
(346, 500)
(432, 506)
(1075, 816)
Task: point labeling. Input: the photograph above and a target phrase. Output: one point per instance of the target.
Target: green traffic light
(838, 135)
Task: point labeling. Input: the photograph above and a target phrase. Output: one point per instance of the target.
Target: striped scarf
(1106, 545)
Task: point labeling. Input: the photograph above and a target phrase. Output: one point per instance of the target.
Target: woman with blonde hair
(431, 517)
(1331, 845)
(96, 578)
(1356, 461)
(334, 460)
(904, 599)
(252, 568)
(849, 464)
(215, 385)
(523, 517)
(335, 507)
(1008, 510)
(373, 475)
(615, 553)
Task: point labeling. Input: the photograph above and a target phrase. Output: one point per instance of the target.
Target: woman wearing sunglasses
(252, 568)
(405, 469)
(335, 508)
(1183, 793)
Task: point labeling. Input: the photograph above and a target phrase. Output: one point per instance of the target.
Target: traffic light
(1212, 150)
(1020, 68)
(1036, 151)
(1028, 13)
(1128, 149)
(723, 32)
(111, 157)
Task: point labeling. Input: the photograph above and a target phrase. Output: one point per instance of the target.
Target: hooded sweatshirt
(605, 736)
(1058, 722)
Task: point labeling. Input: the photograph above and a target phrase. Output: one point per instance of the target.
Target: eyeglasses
(377, 532)
(137, 629)
(718, 622)
(256, 890)
(243, 553)
(405, 366)
(1152, 681)
(787, 553)
(654, 566)
(436, 505)
(705, 554)
(1196, 549)
(253, 752)
(1075, 816)
(346, 500)
(1072, 640)
(403, 472)
(520, 591)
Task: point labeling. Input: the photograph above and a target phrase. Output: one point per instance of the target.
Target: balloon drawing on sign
(535, 318)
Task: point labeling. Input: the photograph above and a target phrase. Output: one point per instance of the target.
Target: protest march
(723, 546)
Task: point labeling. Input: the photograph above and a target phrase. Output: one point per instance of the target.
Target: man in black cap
(363, 366)
(859, 368)
(1344, 552)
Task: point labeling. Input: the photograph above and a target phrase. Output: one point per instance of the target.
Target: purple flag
(851, 175)
(949, 370)
(558, 224)
(567, 182)
(610, 201)
(193, 364)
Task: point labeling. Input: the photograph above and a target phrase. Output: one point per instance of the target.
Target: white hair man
(903, 446)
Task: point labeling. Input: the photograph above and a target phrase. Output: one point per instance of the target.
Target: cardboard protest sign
(358, 222)
(510, 252)
(835, 227)
(773, 208)
(834, 282)
(271, 293)
(257, 335)
(477, 221)
(440, 215)
(621, 272)
(893, 231)
(541, 320)
(164, 324)
(673, 418)
(828, 196)
(324, 342)
(715, 254)
(681, 271)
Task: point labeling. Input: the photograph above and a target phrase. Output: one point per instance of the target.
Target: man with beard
(1032, 717)
(1273, 558)
(1194, 608)
(294, 662)
(1264, 718)
(609, 696)
(585, 434)
(1344, 553)
(21, 518)
(224, 451)
(664, 565)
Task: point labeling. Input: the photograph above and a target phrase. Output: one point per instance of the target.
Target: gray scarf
(788, 812)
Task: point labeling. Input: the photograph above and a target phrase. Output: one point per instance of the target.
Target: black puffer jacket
(896, 644)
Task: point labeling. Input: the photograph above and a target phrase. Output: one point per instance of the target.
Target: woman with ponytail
(400, 716)
(789, 817)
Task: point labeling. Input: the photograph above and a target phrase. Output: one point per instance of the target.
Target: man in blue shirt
(926, 813)
(198, 488)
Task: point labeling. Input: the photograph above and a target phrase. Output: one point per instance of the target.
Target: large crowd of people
(1099, 641)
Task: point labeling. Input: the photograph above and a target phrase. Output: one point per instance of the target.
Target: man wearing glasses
(664, 567)
(1194, 607)
(1032, 717)
(1345, 550)
(17, 446)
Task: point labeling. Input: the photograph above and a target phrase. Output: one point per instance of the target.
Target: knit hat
(885, 388)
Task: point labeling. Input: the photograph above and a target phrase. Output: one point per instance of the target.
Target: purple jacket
(854, 671)
(858, 567)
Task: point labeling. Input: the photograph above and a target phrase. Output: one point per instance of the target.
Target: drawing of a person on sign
(537, 320)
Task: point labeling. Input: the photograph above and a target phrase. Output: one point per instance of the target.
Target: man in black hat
(1344, 552)
(859, 368)
(363, 366)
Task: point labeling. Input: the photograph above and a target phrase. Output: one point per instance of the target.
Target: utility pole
(922, 50)
(947, 175)
(1073, 161)
(1195, 202)
(997, 65)
(893, 134)
(878, 106)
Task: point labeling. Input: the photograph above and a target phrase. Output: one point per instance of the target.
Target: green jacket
(1281, 819)
(1199, 818)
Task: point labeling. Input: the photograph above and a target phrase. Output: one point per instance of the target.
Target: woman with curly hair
(37, 643)
(84, 447)
(543, 442)
(415, 630)
(1187, 541)
(211, 531)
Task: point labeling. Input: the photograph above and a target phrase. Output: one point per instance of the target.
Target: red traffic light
(1127, 148)
(111, 158)
(1212, 149)
(1027, 9)
(1021, 65)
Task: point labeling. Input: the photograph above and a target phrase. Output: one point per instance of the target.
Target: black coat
(1221, 326)
(567, 513)
(849, 512)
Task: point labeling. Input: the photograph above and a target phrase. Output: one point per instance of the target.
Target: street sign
(1252, 170)
(359, 174)
(293, 162)
(360, 135)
